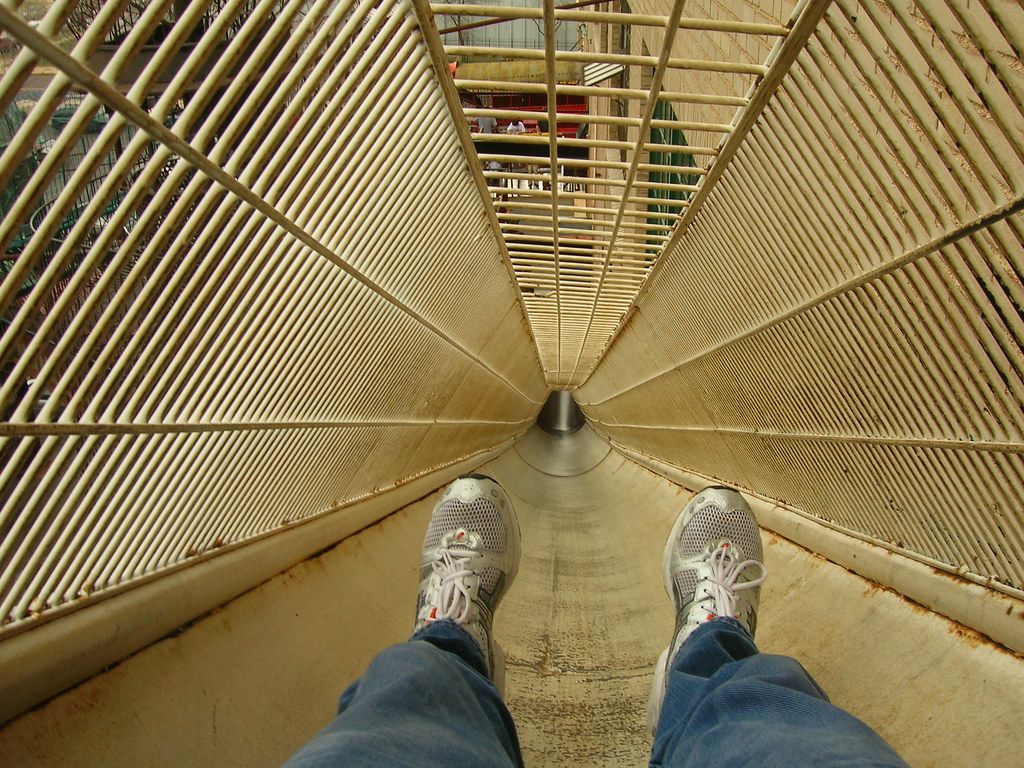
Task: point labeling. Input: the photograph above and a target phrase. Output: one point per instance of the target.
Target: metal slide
(581, 629)
(272, 270)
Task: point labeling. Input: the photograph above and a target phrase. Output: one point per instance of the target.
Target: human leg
(716, 699)
(423, 703)
(431, 701)
(728, 704)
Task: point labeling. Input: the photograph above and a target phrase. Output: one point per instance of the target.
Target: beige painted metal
(282, 297)
(267, 275)
(576, 305)
(582, 626)
(59, 653)
(993, 613)
(838, 326)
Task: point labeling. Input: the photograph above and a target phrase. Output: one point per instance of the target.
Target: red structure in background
(532, 102)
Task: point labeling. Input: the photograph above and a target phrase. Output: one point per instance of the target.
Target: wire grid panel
(524, 32)
(588, 196)
(840, 327)
(247, 279)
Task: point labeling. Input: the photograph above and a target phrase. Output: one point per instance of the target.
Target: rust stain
(545, 667)
(88, 696)
(873, 588)
(970, 636)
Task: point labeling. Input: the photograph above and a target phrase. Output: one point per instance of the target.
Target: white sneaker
(713, 566)
(470, 557)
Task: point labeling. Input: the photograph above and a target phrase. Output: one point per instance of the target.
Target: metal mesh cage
(258, 264)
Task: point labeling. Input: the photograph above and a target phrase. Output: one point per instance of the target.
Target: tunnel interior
(266, 287)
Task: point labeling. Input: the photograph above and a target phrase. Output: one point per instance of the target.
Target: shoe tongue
(727, 548)
(462, 538)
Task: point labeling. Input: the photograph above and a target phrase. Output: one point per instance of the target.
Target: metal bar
(980, 223)
(577, 117)
(591, 91)
(631, 176)
(697, 65)
(806, 19)
(476, 25)
(110, 96)
(632, 19)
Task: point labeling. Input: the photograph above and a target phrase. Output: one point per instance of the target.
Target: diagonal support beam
(653, 96)
(805, 21)
(12, 22)
(439, 63)
(552, 94)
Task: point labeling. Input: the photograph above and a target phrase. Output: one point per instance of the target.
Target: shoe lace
(453, 597)
(724, 583)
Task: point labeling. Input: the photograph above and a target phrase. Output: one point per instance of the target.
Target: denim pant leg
(728, 704)
(424, 703)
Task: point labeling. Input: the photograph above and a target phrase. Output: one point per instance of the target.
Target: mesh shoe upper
(712, 567)
(470, 557)
(480, 516)
(716, 519)
(713, 563)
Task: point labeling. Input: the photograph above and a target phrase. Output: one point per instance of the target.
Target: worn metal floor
(578, 671)
(581, 626)
(588, 617)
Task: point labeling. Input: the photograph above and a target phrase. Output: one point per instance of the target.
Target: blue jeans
(728, 704)
(428, 702)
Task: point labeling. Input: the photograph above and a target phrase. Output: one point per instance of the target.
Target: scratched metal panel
(261, 239)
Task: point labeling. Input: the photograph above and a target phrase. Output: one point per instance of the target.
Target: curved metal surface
(582, 626)
(560, 415)
(564, 456)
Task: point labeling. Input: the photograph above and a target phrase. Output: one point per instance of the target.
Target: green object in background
(665, 198)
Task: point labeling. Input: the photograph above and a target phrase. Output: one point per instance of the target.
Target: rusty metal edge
(49, 658)
(997, 615)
